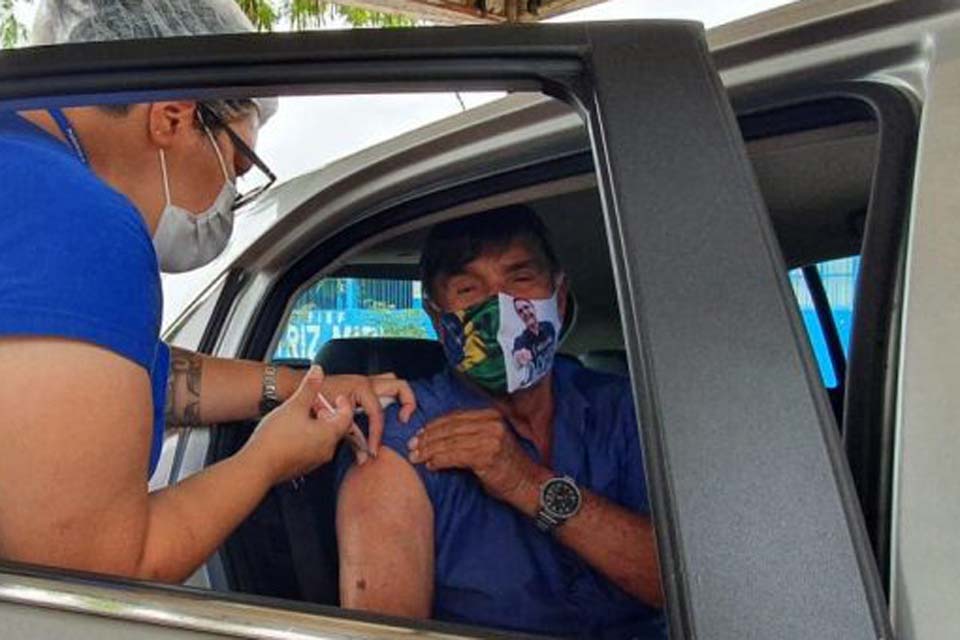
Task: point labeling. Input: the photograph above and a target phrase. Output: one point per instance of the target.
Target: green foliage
(403, 323)
(12, 31)
(306, 14)
(264, 14)
(363, 18)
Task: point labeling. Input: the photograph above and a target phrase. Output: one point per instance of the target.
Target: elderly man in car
(509, 500)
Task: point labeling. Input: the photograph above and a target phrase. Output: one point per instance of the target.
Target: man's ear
(432, 307)
(168, 121)
(433, 314)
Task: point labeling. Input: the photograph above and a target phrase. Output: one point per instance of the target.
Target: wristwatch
(268, 395)
(560, 500)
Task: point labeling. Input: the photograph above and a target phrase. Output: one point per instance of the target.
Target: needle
(355, 436)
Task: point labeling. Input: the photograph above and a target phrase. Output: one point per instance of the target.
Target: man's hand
(615, 541)
(481, 442)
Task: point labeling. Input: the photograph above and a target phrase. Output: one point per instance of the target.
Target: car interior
(817, 164)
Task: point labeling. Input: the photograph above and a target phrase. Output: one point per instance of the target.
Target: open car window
(336, 308)
(839, 279)
(705, 327)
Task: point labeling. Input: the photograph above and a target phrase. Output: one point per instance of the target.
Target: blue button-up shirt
(493, 566)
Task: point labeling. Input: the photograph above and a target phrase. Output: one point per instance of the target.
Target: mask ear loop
(216, 149)
(166, 178)
(429, 305)
(558, 281)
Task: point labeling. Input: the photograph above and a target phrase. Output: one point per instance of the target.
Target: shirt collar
(571, 405)
(462, 395)
(13, 123)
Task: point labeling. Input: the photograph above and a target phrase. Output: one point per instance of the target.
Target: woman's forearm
(183, 524)
(188, 521)
(206, 390)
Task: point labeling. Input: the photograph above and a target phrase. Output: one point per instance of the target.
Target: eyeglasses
(260, 181)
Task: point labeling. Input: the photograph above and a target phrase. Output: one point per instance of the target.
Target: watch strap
(269, 400)
(545, 522)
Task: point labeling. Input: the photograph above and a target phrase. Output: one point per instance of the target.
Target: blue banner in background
(844, 320)
(309, 329)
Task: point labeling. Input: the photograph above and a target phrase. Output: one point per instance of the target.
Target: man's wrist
(560, 500)
(526, 497)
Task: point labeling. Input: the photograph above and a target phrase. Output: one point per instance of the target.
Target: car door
(758, 527)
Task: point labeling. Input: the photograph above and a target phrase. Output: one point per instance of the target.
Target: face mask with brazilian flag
(503, 344)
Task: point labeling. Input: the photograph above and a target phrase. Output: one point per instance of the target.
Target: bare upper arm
(75, 434)
(385, 535)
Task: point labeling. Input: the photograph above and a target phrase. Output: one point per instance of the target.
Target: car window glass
(839, 280)
(352, 308)
(188, 332)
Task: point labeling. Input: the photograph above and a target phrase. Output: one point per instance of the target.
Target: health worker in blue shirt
(511, 498)
(96, 201)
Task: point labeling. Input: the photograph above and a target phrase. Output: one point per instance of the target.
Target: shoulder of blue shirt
(438, 395)
(84, 264)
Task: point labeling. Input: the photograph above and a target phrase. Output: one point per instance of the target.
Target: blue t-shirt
(76, 258)
(493, 566)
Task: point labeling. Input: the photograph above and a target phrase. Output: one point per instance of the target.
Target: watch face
(561, 498)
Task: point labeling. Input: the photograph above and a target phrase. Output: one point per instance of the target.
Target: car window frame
(873, 360)
(583, 64)
(329, 250)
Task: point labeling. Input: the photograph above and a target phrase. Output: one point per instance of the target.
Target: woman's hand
(365, 392)
(291, 441)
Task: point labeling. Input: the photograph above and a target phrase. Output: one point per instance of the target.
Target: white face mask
(185, 240)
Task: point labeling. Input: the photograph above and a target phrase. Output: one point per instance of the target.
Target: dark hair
(225, 110)
(451, 245)
(517, 301)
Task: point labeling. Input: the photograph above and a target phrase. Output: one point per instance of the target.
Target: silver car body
(918, 54)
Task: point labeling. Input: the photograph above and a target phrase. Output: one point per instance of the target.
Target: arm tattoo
(183, 389)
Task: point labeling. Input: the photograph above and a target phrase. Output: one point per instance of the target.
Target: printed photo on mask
(528, 337)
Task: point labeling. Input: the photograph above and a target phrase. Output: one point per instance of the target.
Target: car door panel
(762, 514)
(757, 520)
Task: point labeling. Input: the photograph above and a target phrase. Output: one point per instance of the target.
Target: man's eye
(465, 290)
